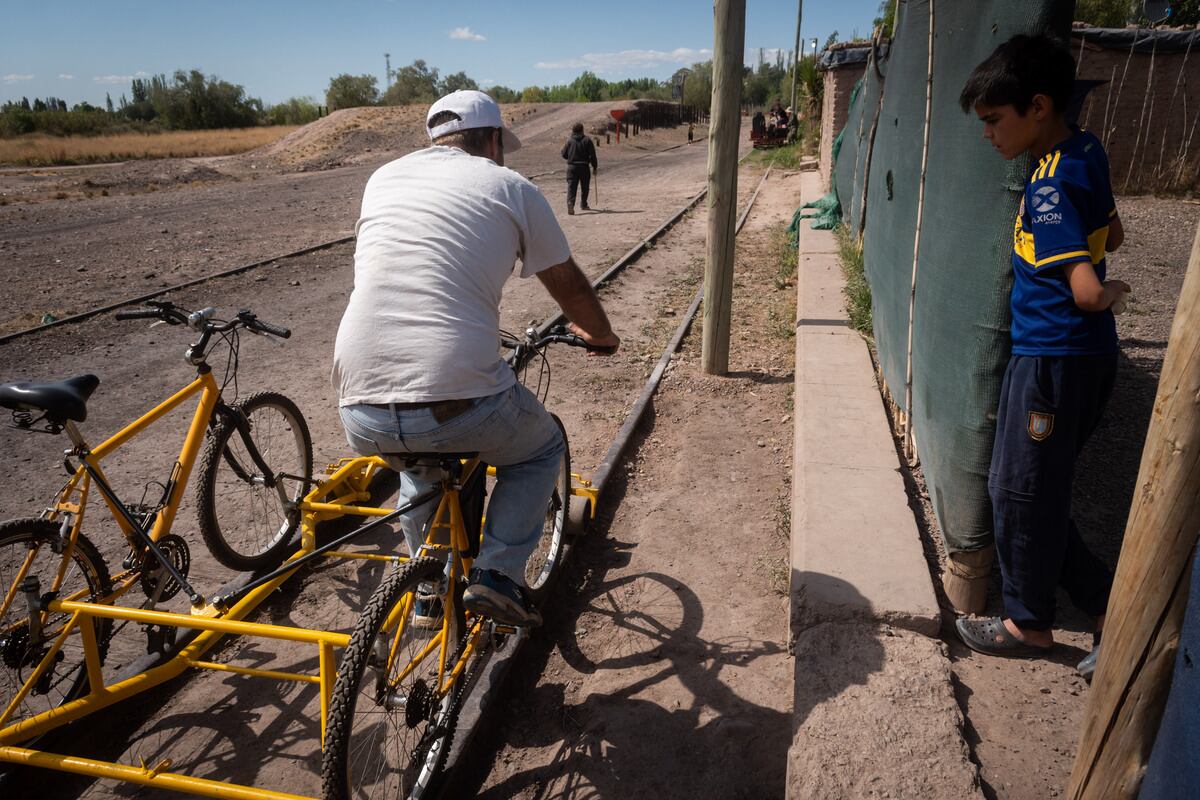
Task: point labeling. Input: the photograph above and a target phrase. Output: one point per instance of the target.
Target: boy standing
(1064, 345)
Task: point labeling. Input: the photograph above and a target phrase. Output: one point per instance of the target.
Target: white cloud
(630, 60)
(488, 82)
(467, 34)
(13, 78)
(66, 76)
(120, 78)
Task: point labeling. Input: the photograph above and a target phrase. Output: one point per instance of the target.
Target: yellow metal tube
(146, 776)
(173, 620)
(364, 556)
(328, 673)
(216, 666)
(338, 508)
(165, 407)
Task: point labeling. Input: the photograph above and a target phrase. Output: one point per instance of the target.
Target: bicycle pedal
(508, 630)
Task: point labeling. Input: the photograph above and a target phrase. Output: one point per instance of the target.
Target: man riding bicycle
(416, 363)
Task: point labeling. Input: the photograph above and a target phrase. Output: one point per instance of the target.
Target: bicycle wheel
(31, 547)
(542, 567)
(246, 524)
(387, 735)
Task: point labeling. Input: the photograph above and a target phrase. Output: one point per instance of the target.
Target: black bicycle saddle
(58, 400)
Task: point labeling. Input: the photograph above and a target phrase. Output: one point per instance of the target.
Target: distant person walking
(691, 132)
(580, 154)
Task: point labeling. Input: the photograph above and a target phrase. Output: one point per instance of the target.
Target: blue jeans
(511, 431)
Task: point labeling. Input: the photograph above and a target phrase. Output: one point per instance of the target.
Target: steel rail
(82, 315)
(624, 261)
(494, 671)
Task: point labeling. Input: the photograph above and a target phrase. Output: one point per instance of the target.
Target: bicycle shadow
(650, 627)
(638, 637)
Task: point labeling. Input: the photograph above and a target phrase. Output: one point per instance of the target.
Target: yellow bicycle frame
(342, 492)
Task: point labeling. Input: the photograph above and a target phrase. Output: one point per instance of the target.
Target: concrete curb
(873, 704)
(856, 551)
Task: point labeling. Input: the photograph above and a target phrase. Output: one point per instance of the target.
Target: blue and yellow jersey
(1064, 218)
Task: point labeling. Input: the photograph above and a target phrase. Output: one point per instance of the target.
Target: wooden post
(1145, 611)
(729, 34)
(799, 54)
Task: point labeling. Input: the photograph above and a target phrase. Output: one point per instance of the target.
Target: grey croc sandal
(989, 636)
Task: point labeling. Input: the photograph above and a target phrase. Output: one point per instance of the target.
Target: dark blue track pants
(1049, 406)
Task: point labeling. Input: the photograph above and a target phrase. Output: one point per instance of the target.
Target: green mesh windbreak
(961, 317)
(850, 168)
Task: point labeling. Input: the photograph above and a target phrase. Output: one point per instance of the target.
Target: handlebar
(203, 321)
(558, 334)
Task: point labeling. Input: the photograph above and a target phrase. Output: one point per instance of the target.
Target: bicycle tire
(411, 748)
(542, 568)
(88, 580)
(245, 525)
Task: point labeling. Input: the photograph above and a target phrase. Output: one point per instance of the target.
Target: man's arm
(566, 147)
(1090, 294)
(570, 288)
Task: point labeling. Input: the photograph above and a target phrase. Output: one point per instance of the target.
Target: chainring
(176, 549)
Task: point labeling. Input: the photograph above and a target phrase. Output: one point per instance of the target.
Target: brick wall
(1146, 120)
(839, 84)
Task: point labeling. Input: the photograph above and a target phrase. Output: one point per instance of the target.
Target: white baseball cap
(475, 110)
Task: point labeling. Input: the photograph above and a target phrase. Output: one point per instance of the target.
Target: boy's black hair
(1019, 69)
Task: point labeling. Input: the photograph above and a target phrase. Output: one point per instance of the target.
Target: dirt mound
(356, 135)
(346, 136)
(359, 135)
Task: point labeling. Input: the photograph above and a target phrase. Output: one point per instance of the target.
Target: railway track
(495, 669)
(493, 673)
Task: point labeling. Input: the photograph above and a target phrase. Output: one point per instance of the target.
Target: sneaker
(492, 594)
(571, 210)
(1087, 667)
(427, 612)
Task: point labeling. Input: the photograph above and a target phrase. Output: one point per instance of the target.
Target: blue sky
(80, 50)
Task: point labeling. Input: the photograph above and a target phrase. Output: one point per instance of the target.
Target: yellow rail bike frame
(342, 492)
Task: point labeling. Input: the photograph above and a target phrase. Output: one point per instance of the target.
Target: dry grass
(42, 150)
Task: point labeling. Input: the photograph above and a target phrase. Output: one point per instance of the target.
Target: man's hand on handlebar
(603, 345)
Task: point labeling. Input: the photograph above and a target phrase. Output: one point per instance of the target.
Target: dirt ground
(664, 651)
(232, 728)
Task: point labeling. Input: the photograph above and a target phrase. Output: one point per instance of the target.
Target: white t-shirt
(439, 234)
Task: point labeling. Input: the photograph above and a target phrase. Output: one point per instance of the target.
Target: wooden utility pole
(799, 54)
(729, 34)
(1145, 611)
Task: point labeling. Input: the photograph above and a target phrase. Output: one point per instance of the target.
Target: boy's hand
(1116, 292)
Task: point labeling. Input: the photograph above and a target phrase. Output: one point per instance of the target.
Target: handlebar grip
(140, 313)
(274, 330)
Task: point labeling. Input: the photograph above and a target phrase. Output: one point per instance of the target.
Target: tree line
(420, 83)
(189, 100)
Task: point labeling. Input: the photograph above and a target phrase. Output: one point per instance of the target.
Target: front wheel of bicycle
(542, 567)
(389, 732)
(248, 515)
(33, 548)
